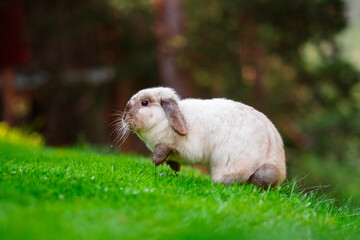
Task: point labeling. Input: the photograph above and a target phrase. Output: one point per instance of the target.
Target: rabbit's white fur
(232, 138)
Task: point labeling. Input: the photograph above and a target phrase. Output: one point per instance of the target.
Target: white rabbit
(237, 142)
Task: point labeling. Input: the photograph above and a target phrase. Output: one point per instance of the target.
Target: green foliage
(216, 29)
(69, 193)
(332, 125)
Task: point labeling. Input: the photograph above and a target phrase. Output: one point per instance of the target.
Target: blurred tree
(168, 28)
(252, 57)
(220, 32)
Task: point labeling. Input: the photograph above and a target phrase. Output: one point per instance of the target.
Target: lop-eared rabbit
(237, 142)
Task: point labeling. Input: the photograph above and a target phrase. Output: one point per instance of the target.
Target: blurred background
(68, 65)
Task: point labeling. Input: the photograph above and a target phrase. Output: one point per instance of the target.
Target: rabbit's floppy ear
(174, 116)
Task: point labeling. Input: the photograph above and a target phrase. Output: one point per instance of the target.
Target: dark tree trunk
(253, 59)
(169, 28)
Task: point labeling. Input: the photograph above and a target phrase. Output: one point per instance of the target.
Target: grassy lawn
(56, 193)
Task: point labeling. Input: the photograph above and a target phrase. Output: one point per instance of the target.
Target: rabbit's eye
(144, 103)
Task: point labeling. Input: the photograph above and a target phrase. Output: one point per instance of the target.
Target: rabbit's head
(149, 107)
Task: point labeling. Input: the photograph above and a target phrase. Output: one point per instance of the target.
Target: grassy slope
(63, 193)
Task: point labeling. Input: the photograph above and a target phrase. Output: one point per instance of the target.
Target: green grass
(55, 193)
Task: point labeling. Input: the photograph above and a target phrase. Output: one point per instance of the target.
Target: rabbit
(237, 142)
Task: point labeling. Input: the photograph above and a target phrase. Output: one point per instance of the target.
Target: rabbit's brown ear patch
(174, 116)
